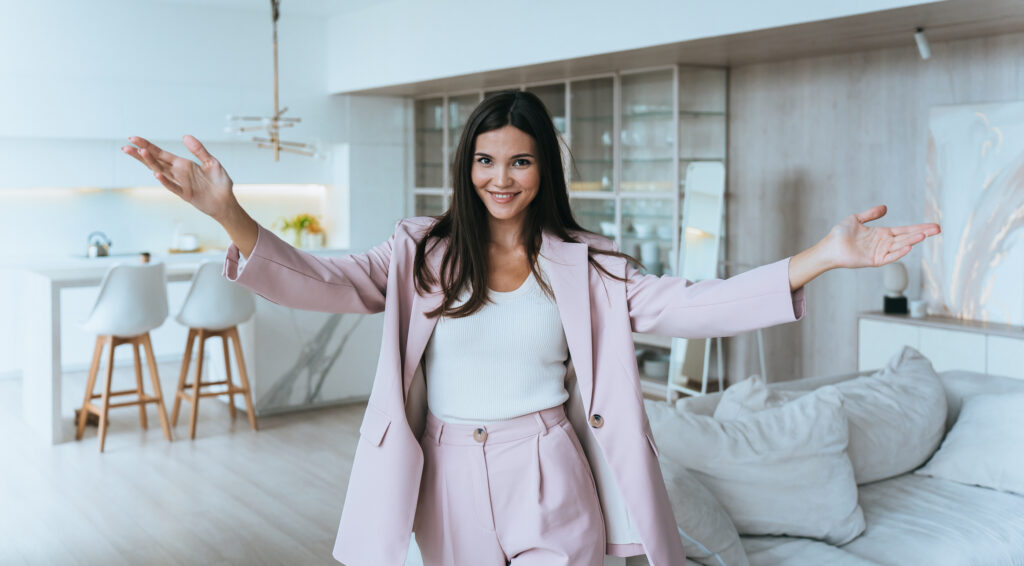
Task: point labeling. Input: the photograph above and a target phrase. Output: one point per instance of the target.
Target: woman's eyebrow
(482, 154)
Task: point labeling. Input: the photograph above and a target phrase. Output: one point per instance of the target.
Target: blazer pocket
(375, 424)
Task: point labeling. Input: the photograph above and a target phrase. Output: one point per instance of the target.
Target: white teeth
(503, 197)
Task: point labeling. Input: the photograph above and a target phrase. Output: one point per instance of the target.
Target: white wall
(79, 77)
(86, 75)
(443, 38)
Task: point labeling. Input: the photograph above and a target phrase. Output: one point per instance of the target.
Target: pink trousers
(518, 491)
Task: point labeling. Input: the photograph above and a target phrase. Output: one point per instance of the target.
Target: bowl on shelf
(656, 366)
(609, 229)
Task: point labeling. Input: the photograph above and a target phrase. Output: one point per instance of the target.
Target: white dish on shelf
(609, 229)
(643, 229)
(656, 366)
(664, 231)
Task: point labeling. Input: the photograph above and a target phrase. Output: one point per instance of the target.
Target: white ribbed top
(503, 361)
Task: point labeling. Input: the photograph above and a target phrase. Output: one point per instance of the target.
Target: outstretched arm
(852, 244)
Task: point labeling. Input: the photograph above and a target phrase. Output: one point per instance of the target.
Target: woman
(489, 311)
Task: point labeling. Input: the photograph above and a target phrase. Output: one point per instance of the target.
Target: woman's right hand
(205, 186)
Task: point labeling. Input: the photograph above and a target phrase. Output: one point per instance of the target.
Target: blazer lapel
(567, 270)
(420, 326)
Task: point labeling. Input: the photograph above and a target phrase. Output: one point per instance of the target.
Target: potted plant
(304, 230)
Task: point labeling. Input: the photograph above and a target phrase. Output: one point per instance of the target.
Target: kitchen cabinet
(632, 134)
(949, 343)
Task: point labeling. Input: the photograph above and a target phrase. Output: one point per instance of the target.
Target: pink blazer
(598, 314)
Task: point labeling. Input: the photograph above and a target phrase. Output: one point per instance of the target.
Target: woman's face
(505, 173)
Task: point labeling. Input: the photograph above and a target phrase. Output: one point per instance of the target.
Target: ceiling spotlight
(922, 44)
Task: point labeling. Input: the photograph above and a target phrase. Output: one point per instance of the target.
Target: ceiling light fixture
(272, 125)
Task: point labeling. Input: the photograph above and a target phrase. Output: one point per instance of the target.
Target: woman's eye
(483, 160)
(521, 162)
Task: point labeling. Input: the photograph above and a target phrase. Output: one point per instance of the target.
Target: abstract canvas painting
(975, 189)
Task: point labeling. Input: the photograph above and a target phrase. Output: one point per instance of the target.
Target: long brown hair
(465, 224)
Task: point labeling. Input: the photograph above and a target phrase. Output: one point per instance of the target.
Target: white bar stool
(214, 307)
(131, 302)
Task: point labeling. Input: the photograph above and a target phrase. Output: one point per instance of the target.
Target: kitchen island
(295, 359)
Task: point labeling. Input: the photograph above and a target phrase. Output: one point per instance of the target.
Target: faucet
(99, 245)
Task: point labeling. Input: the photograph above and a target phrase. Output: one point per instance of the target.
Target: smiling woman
(503, 317)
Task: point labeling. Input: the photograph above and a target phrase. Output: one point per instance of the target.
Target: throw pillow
(707, 532)
(986, 445)
(781, 471)
(896, 416)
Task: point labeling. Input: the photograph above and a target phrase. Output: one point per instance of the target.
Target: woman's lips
(502, 198)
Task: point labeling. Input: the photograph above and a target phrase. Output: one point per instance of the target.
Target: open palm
(204, 185)
(853, 244)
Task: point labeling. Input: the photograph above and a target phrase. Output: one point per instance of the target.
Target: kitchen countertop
(78, 267)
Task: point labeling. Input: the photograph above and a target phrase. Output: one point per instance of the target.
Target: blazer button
(596, 421)
(479, 435)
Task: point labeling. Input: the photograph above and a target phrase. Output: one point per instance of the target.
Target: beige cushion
(986, 445)
(707, 532)
(896, 416)
(780, 471)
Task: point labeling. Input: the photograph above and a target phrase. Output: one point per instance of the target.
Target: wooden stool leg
(138, 384)
(244, 376)
(195, 385)
(181, 377)
(157, 391)
(227, 376)
(105, 399)
(90, 384)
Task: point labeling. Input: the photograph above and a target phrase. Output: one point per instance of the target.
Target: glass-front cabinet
(631, 135)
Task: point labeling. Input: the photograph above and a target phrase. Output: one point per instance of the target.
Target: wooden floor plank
(231, 496)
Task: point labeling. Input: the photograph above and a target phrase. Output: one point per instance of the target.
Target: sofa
(903, 466)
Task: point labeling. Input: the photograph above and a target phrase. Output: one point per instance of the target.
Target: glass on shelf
(648, 131)
(647, 234)
(595, 214)
(429, 141)
(429, 205)
(553, 97)
(459, 109)
(592, 129)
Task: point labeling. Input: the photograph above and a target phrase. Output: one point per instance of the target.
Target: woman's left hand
(853, 244)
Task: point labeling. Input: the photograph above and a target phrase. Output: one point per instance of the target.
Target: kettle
(99, 245)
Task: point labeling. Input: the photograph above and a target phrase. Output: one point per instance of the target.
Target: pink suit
(598, 315)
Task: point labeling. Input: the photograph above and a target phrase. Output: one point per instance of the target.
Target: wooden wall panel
(813, 140)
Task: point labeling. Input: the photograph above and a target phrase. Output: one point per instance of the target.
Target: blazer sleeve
(282, 274)
(673, 306)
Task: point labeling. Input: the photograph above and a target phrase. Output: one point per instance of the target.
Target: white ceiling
(303, 7)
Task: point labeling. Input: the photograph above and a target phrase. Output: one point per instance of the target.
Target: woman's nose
(502, 178)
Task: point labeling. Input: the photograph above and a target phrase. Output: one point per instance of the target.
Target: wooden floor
(231, 496)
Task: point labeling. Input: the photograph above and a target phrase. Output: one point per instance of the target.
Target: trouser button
(479, 435)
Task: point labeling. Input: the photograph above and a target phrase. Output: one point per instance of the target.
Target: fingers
(870, 214)
(895, 255)
(907, 240)
(170, 185)
(928, 229)
(198, 150)
(160, 155)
